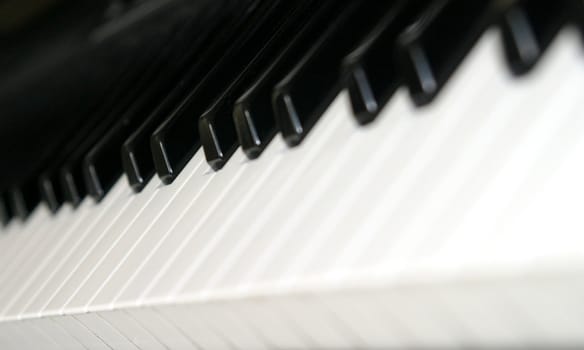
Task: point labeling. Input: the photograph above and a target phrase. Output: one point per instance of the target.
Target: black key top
(253, 114)
(49, 183)
(528, 28)
(176, 140)
(304, 94)
(216, 125)
(51, 191)
(5, 210)
(24, 198)
(136, 154)
(71, 174)
(102, 165)
(433, 46)
(370, 71)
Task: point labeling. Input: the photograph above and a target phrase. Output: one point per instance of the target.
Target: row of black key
(276, 68)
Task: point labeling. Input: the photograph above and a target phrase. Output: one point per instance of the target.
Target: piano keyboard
(457, 224)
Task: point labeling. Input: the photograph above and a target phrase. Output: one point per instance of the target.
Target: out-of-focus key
(5, 211)
(70, 172)
(49, 182)
(216, 125)
(528, 28)
(137, 157)
(253, 114)
(370, 71)
(304, 94)
(433, 46)
(24, 198)
(177, 138)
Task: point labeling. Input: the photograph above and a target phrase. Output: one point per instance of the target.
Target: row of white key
(465, 182)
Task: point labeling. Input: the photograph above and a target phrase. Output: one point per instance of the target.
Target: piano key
(473, 164)
(140, 240)
(528, 28)
(24, 198)
(305, 93)
(157, 268)
(50, 184)
(387, 135)
(431, 48)
(102, 165)
(5, 210)
(39, 251)
(370, 71)
(216, 125)
(47, 300)
(52, 191)
(125, 93)
(69, 239)
(105, 331)
(81, 333)
(137, 157)
(176, 140)
(253, 114)
(132, 329)
(31, 236)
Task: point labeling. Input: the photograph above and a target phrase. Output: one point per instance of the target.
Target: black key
(433, 46)
(528, 28)
(51, 191)
(253, 114)
(216, 125)
(137, 158)
(71, 174)
(24, 198)
(304, 94)
(371, 73)
(102, 165)
(49, 181)
(176, 140)
(5, 210)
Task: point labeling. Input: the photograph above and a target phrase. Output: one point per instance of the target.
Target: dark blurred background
(60, 58)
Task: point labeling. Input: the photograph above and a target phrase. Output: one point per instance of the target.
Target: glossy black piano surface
(92, 90)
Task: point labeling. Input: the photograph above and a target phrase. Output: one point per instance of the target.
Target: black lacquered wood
(433, 46)
(24, 198)
(51, 191)
(102, 165)
(253, 114)
(371, 72)
(216, 125)
(210, 45)
(70, 172)
(175, 141)
(529, 27)
(5, 210)
(304, 94)
(49, 178)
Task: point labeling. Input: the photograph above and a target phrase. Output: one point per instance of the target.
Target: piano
(305, 174)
